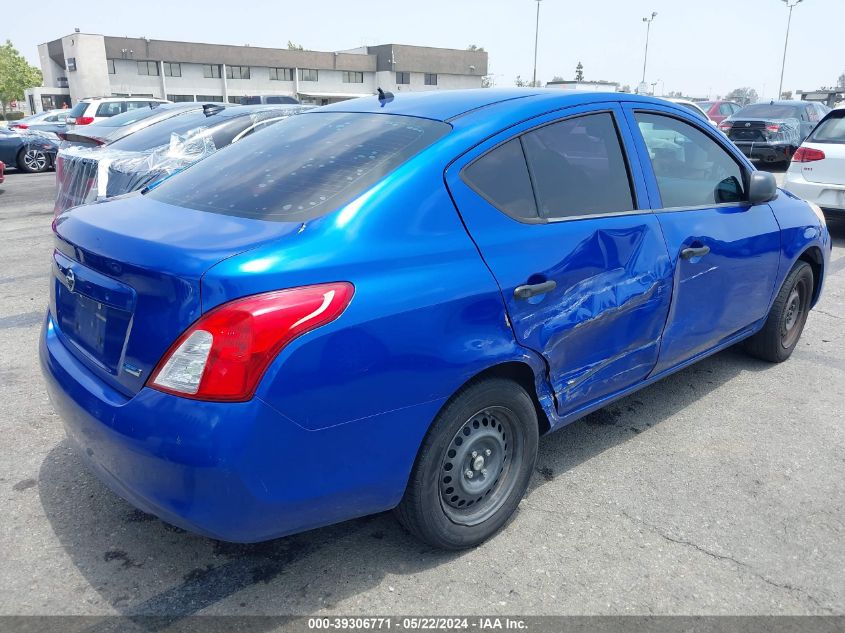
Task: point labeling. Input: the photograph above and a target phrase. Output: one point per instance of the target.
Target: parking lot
(720, 490)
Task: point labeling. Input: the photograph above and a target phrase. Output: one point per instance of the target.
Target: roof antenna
(384, 97)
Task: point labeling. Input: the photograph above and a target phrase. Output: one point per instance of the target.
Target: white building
(87, 65)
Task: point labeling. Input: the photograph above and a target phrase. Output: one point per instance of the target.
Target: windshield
(131, 116)
(831, 130)
(768, 111)
(301, 168)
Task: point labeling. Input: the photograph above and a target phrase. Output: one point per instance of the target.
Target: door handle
(532, 290)
(700, 251)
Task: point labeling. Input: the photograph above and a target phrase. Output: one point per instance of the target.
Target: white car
(690, 105)
(817, 170)
(93, 109)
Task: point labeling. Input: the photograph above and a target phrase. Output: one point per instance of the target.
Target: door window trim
(746, 172)
(638, 209)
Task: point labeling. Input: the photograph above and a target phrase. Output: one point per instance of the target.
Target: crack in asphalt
(716, 556)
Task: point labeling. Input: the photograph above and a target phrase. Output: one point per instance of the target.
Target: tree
(16, 75)
(840, 83)
(519, 82)
(474, 48)
(743, 96)
(786, 95)
(579, 72)
(487, 81)
(625, 88)
(294, 47)
(557, 78)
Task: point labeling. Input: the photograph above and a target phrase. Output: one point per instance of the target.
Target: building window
(281, 74)
(211, 71)
(110, 63)
(352, 77)
(172, 69)
(403, 77)
(430, 79)
(237, 72)
(308, 74)
(180, 98)
(236, 100)
(148, 68)
(211, 98)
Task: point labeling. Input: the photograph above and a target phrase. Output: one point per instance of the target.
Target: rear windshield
(131, 116)
(78, 109)
(769, 111)
(831, 130)
(159, 134)
(302, 167)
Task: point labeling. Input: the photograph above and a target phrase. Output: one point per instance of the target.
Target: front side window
(308, 74)
(578, 167)
(501, 177)
(211, 71)
(430, 79)
(403, 77)
(148, 68)
(691, 168)
(172, 69)
(353, 77)
(303, 167)
(237, 72)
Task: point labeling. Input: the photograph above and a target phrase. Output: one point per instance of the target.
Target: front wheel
(779, 336)
(473, 467)
(33, 160)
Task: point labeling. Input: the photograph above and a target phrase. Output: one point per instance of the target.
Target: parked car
(93, 109)
(268, 99)
(772, 131)
(817, 171)
(691, 105)
(116, 127)
(383, 303)
(719, 110)
(84, 174)
(28, 151)
(2, 172)
(50, 121)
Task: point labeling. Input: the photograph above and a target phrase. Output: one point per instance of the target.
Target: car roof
(446, 105)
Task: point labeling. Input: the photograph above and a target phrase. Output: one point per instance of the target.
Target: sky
(702, 48)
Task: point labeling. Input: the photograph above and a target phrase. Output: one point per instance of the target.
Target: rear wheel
(33, 160)
(474, 466)
(783, 327)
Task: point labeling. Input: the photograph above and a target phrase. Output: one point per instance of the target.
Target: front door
(552, 205)
(725, 252)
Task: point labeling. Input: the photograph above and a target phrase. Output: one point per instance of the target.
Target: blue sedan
(28, 151)
(384, 303)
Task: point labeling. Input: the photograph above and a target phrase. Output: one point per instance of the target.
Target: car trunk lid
(126, 279)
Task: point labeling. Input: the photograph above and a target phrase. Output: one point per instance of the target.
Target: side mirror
(762, 187)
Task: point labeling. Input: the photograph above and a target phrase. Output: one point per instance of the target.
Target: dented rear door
(560, 215)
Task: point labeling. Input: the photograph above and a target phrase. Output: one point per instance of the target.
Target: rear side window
(831, 130)
(578, 167)
(301, 168)
(501, 177)
(110, 108)
(691, 168)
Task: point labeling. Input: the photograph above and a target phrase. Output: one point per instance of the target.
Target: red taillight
(773, 128)
(20, 126)
(807, 155)
(725, 125)
(84, 120)
(224, 354)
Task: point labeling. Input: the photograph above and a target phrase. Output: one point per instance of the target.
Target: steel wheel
(795, 313)
(34, 160)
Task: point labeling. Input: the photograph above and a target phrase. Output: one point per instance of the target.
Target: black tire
(446, 507)
(33, 161)
(783, 327)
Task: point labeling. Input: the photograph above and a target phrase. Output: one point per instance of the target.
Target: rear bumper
(830, 197)
(766, 152)
(233, 471)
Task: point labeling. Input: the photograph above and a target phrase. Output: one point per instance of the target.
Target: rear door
(561, 218)
(725, 252)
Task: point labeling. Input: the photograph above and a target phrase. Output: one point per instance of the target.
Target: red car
(718, 111)
(2, 169)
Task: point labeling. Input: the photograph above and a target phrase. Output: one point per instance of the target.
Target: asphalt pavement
(720, 490)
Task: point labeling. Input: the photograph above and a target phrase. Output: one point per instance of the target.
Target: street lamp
(536, 39)
(648, 22)
(791, 4)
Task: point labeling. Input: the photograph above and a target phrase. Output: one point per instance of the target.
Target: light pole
(791, 4)
(648, 22)
(536, 40)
